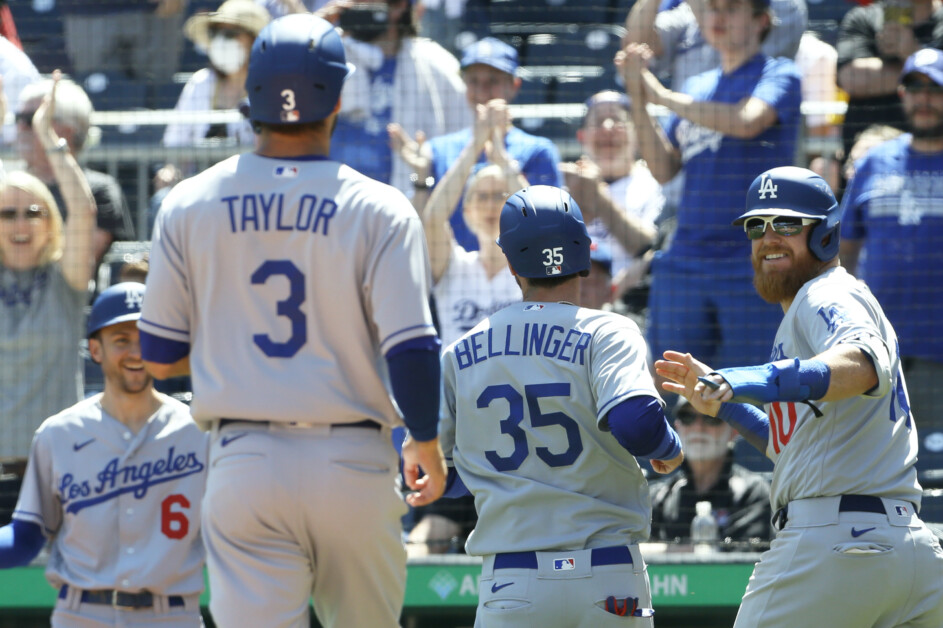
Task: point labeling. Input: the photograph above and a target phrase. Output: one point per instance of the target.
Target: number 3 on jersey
(289, 307)
(511, 425)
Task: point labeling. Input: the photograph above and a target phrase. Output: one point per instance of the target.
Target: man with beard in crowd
(894, 209)
(836, 423)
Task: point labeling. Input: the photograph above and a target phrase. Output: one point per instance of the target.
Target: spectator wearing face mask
(739, 498)
(226, 35)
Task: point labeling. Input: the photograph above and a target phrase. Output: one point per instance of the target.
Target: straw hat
(244, 14)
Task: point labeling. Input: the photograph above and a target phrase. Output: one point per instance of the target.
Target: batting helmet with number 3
(798, 192)
(297, 69)
(543, 234)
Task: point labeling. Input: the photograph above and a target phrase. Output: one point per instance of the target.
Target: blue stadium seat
(112, 91)
(534, 92)
(39, 27)
(549, 11)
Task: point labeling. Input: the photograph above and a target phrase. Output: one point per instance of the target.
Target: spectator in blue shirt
(489, 68)
(726, 126)
(893, 209)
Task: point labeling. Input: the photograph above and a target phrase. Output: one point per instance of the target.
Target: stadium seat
(112, 91)
(39, 27)
(549, 11)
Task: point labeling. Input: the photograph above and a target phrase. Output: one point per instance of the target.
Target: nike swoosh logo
(856, 533)
(228, 439)
(497, 587)
(78, 446)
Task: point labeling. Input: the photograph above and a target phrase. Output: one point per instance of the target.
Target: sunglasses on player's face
(782, 225)
(688, 418)
(31, 213)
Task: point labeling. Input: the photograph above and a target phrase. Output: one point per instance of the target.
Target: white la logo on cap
(133, 299)
(767, 187)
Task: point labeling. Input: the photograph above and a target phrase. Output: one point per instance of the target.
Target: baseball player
(116, 482)
(546, 406)
(280, 280)
(836, 423)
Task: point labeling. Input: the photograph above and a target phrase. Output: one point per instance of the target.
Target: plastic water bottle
(704, 529)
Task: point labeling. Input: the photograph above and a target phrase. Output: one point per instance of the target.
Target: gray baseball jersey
(864, 445)
(525, 400)
(123, 509)
(290, 279)
(839, 541)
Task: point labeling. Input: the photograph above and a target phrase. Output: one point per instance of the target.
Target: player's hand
(683, 372)
(481, 127)
(667, 466)
(427, 456)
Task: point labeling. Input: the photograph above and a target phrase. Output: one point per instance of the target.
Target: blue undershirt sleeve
(20, 543)
(162, 350)
(414, 377)
(640, 426)
(750, 421)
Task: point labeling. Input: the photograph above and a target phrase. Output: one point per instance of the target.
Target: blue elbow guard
(784, 380)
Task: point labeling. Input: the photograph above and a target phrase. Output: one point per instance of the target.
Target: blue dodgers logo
(832, 317)
(114, 480)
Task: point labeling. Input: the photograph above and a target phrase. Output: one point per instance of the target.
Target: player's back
(300, 273)
(527, 388)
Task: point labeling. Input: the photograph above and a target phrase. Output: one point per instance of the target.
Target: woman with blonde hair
(45, 269)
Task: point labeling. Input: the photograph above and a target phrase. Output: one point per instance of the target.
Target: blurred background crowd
(655, 114)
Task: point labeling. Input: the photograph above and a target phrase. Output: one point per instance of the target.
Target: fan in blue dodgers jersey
(116, 481)
(851, 551)
(280, 280)
(545, 407)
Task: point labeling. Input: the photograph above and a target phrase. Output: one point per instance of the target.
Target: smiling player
(116, 481)
(836, 424)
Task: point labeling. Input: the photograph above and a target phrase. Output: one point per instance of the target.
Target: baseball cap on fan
(491, 52)
(927, 61)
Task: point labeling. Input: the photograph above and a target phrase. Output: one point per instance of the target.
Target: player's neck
(132, 409)
(282, 145)
(927, 145)
(568, 292)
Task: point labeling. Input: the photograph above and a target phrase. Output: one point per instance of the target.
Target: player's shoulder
(605, 321)
(832, 292)
(175, 414)
(76, 417)
(359, 191)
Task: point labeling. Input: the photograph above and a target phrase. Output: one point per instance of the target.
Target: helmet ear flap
(824, 239)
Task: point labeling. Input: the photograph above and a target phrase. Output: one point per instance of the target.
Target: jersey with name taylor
(123, 509)
(524, 421)
(290, 279)
(864, 445)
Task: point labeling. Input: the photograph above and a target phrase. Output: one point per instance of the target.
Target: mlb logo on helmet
(564, 564)
(554, 270)
(291, 116)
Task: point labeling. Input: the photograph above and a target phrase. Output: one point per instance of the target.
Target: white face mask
(703, 446)
(227, 55)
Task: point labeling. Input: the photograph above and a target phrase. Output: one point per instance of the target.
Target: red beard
(777, 286)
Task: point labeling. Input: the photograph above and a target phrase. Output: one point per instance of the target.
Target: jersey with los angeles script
(526, 395)
(864, 445)
(123, 509)
(322, 275)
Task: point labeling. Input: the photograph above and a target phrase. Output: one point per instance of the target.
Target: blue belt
(617, 555)
(367, 423)
(120, 599)
(847, 503)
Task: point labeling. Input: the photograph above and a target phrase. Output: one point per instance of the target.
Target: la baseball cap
(928, 61)
(491, 52)
(608, 96)
(116, 304)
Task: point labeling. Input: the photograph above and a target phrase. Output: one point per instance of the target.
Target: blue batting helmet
(116, 304)
(296, 71)
(543, 234)
(798, 192)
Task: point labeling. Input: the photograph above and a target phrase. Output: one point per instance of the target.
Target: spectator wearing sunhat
(226, 35)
